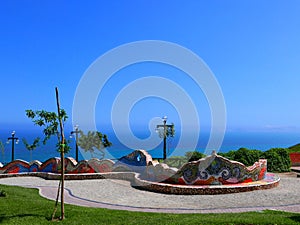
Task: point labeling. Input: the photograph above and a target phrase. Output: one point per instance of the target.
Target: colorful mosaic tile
(211, 175)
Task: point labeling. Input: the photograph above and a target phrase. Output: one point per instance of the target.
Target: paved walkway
(296, 169)
(118, 194)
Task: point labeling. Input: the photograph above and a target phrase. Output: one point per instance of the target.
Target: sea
(233, 140)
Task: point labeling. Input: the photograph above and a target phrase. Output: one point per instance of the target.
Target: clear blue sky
(252, 47)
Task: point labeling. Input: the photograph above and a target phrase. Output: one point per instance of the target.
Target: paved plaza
(118, 194)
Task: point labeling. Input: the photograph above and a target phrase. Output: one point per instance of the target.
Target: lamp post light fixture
(13, 139)
(76, 132)
(165, 130)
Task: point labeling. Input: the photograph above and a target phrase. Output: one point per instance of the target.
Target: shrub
(178, 161)
(194, 156)
(247, 156)
(228, 155)
(278, 159)
(243, 155)
(175, 161)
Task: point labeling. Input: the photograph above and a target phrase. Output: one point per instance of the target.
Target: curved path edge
(70, 198)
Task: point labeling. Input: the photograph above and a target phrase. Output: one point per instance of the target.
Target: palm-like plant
(31, 147)
(94, 140)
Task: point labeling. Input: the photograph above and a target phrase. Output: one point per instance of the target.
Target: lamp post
(166, 131)
(13, 139)
(76, 132)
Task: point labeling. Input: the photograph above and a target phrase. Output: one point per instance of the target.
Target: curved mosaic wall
(53, 165)
(212, 170)
(211, 175)
(217, 170)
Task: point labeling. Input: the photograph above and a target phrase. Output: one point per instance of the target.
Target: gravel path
(118, 194)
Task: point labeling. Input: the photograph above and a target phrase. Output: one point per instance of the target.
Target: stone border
(205, 189)
(82, 176)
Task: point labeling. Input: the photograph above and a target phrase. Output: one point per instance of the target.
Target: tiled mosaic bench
(211, 175)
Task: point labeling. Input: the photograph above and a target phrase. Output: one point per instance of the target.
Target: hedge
(278, 159)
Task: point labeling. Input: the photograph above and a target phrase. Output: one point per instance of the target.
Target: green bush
(175, 161)
(194, 156)
(278, 159)
(244, 155)
(178, 161)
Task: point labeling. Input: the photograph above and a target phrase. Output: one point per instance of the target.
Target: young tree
(53, 126)
(31, 147)
(94, 140)
(50, 123)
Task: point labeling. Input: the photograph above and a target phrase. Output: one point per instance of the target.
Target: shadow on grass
(4, 218)
(295, 218)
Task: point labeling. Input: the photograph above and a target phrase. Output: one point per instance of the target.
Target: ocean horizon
(232, 141)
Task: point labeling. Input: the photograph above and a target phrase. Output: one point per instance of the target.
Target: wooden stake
(62, 157)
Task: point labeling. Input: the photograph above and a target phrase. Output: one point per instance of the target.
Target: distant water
(232, 141)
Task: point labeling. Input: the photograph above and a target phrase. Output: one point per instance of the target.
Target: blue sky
(252, 47)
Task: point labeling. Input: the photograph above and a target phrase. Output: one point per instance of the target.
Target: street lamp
(76, 132)
(166, 131)
(13, 139)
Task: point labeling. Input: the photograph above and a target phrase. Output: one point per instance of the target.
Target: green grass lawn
(25, 206)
